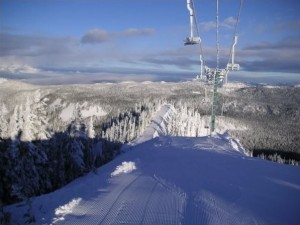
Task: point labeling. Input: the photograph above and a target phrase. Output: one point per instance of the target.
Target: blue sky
(74, 41)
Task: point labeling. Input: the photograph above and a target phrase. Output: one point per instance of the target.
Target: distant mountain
(262, 117)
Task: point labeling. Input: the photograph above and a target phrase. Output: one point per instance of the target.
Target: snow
(147, 82)
(175, 180)
(67, 113)
(271, 86)
(196, 92)
(128, 82)
(222, 125)
(125, 167)
(62, 211)
(2, 80)
(56, 103)
(235, 85)
(86, 111)
(225, 123)
(93, 111)
(157, 126)
(234, 142)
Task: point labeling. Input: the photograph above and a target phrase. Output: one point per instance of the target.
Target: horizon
(65, 42)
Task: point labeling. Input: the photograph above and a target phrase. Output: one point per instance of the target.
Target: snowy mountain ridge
(174, 180)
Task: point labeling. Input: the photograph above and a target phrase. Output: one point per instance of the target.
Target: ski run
(174, 180)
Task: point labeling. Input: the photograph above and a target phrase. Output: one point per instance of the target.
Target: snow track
(135, 200)
(177, 180)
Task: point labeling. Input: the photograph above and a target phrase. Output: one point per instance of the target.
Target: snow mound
(125, 167)
(234, 143)
(63, 210)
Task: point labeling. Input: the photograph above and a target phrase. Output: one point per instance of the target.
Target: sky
(88, 41)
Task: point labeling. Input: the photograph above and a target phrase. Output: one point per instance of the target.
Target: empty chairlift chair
(232, 66)
(191, 40)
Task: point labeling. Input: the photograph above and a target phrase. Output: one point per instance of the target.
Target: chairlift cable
(217, 34)
(198, 32)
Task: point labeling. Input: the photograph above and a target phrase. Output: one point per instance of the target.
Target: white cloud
(227, 23)
(207, 26)
(18, 69)
(138, 32)
(99, 35)
(230, 21)
(96, 36)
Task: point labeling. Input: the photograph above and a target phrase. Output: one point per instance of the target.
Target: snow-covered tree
(39, 109)
(14, 124)
(3, 121)
(90, 128)
(186, 122)
(28, 119)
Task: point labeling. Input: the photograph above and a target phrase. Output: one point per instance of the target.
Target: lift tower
(216, 76)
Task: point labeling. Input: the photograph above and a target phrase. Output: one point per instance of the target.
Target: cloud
(56, 60)
(18, 69)
(207, 26)
(137, 32)
(227, 23)
(291, 25)
(287, 43)
(274, 64)
(98, 36)
(95, 36)
(180, 62)
(281, 56)
(260, 29)
(26, 45)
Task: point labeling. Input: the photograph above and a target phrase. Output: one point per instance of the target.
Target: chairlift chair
(232, 66)
(192, 41)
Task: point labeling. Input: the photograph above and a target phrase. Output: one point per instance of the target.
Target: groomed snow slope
(176, 180)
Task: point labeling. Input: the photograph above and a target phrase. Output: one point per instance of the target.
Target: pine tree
(3, 122)
(90, 129)
(39, 109)
(14, 125)
(28, 119)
